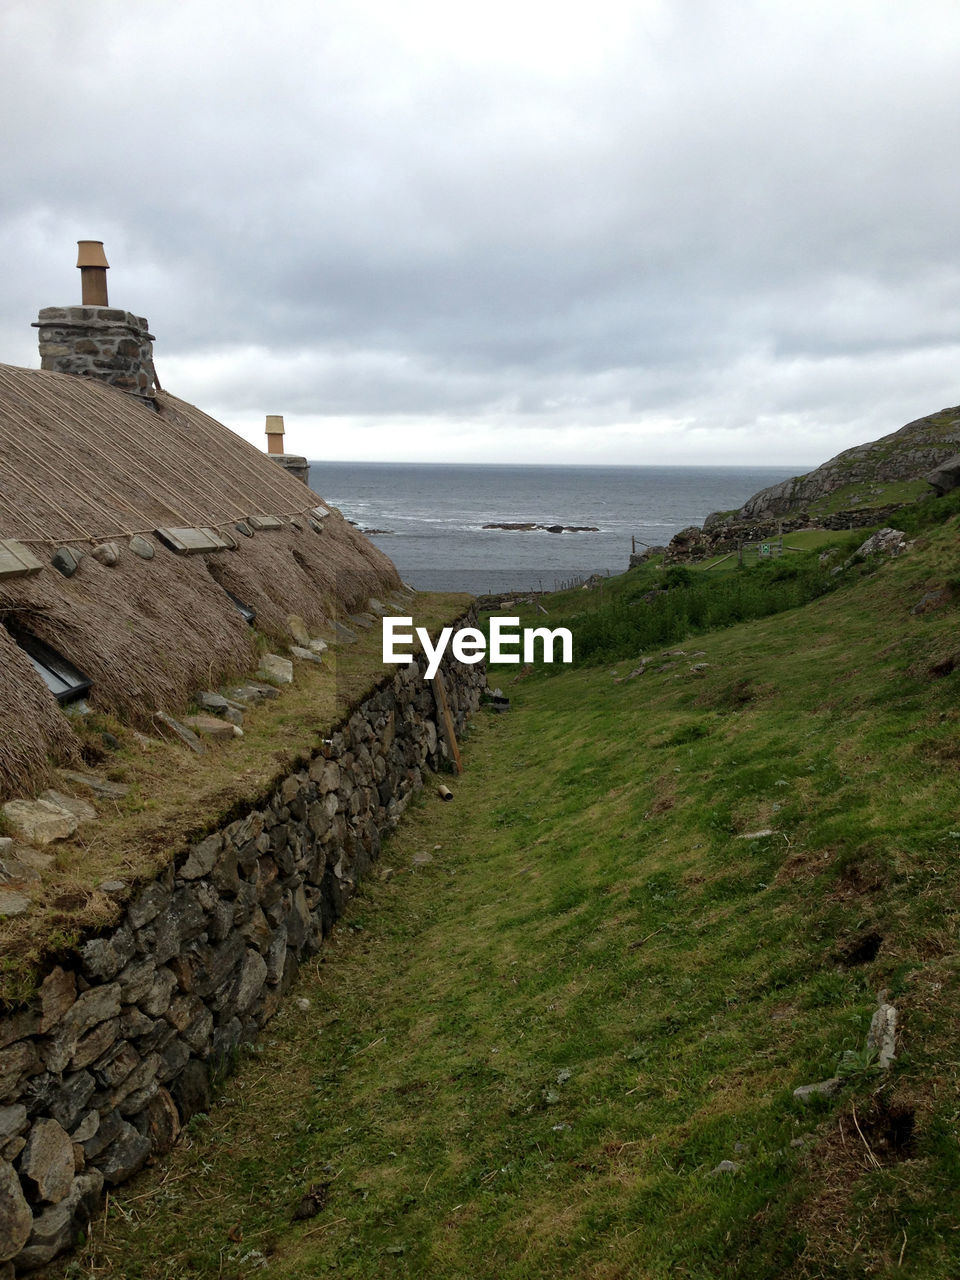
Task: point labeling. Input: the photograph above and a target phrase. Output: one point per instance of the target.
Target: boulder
(885, 542)
(159, 1122)
(65, 561)
(99, 1004)
(822, 1089)
(202, 857)
(945, 478)
(58, 992)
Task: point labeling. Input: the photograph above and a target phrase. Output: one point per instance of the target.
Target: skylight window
(61, 677)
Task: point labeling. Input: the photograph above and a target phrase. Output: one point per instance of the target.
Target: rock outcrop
(907, 454)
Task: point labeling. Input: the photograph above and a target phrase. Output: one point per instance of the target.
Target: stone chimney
(95, 340)
(291, 462)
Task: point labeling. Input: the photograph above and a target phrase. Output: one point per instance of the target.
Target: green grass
(524, 1058)
(654, 606)
(869, 493)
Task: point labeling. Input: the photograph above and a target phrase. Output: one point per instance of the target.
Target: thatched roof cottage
(133, 528)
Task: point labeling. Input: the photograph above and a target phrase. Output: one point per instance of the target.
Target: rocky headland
(860, 487)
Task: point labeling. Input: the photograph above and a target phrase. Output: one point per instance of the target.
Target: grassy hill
(656, 906)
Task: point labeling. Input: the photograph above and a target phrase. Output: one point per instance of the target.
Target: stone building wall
(106, 343)
(114, 1055)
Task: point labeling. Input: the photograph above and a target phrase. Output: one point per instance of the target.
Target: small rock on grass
(82, 810)
(213, 727)
(822, 1089)
(39, 821)
(312, 1202)
(186, 736)
(13, 903)
(298, 629)
(305, 655)
(273, 667)
(99, 786)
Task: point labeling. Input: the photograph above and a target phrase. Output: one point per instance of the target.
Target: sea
(429, 517)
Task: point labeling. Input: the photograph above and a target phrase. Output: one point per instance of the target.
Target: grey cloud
(396, 223)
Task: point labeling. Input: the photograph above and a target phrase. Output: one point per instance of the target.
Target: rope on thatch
(23, 516)
(91, 431)
(246, 456)
(105, 465)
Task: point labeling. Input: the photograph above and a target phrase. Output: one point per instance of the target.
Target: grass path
(524, 1056)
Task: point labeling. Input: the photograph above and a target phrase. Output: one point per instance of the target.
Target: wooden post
(633, 544)
(445, 721)
(740, 552)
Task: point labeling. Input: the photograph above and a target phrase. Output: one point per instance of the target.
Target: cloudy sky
(665, 231)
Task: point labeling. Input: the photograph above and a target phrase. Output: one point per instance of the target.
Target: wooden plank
(446, 720)
(320, 512)
(265, 522)
(191, 542)
(16, 561)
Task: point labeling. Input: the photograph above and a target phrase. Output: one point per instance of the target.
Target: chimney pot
(274, 433)
(93, 265)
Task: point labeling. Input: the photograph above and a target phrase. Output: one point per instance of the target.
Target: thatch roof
(84, 463)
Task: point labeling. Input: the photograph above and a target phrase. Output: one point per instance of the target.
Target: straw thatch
(32, 727)
(84, 463)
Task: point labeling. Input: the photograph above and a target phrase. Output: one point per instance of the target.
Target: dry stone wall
(115, 1054)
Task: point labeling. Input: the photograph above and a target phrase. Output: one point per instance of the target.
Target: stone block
(191, 1090)
(16, 1219)
(97, 1005)
(58, 992)
(95, 1043)
(148, 904)
(68, 1100)
(159, 1122)
(124, 1156)
(202, 856)
(46, 1166)
(58, 1227)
